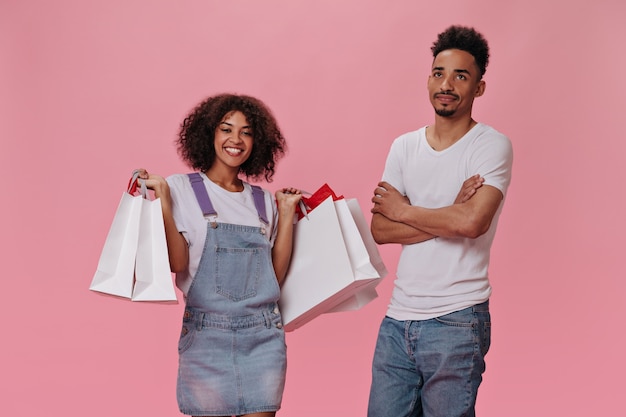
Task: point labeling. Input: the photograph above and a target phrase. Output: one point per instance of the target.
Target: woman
(230, 245)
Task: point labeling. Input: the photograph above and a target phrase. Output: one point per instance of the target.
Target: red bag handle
(134, 186)
(132, 183)
(317, 198)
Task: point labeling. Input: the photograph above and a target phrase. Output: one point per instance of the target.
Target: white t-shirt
(443, 275)
(231, 207)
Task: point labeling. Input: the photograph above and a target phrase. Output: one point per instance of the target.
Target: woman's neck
(229, 181)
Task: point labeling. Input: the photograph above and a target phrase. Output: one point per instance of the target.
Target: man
(429, 356)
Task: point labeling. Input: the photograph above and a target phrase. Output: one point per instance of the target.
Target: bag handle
(317, 198)
(134, 183)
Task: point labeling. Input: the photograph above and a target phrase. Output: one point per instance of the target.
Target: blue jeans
(430, 368)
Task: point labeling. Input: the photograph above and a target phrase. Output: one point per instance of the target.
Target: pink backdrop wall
(91, 90)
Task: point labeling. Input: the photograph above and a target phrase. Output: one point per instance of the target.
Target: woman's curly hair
(197, 134)
(466, 39)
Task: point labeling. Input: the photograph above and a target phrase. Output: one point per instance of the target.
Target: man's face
(454, 82)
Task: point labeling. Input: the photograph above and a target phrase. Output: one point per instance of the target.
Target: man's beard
(445, 112)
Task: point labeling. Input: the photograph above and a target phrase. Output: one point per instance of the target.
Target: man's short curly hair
(197, 134)
(466, 39)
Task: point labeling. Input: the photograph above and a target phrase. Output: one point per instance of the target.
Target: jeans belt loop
(199, 320)
(268, 319)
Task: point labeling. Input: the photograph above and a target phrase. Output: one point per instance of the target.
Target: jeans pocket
(187, 335)
(484, 331)
(461, 318)
(478, 321)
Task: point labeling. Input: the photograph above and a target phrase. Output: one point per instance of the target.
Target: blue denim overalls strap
(235, 277)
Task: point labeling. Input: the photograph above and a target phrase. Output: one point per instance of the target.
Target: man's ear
(480, 88)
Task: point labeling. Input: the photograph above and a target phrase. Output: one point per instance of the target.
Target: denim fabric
(235, 275)
(430, 368)
(231, 366)
(232, 352)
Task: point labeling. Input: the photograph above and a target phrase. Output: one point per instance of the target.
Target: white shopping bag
(116, 267)
(363, 252)
(153, 278)
(134, 262)
(331, 267)
(364, 295)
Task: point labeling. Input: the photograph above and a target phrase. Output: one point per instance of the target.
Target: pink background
(91, 90)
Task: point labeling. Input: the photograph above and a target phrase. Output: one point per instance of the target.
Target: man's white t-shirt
(443, 275)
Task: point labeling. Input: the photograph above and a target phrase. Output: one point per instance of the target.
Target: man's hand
(468, 189)
(388, 201)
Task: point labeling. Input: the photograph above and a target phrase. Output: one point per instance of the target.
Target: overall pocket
(237, 272)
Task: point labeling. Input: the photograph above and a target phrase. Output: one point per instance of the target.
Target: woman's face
(233, 140)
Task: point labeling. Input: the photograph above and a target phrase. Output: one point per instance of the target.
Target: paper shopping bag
(362, 250)
(153, 278)
(330, 263)
(364, 258)
(116, 267)
(363, 296)
(134, 262)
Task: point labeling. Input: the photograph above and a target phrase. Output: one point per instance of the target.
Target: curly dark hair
(197, 134)
(466, 39)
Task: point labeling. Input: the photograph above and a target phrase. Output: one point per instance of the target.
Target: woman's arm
(286, 200)
(177, 247)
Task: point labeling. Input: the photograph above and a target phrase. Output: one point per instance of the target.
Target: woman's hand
(287, 199)
(154, 182)
(176, 244)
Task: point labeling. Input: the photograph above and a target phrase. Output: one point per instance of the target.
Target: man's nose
(446, 84)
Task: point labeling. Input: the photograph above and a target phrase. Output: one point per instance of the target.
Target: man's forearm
(467, 220)
(385, 230)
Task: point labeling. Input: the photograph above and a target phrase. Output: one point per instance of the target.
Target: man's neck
(445, 132)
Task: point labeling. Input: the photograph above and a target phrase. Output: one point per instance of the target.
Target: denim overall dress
(232, 352)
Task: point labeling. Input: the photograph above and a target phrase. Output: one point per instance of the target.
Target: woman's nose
(236, 138)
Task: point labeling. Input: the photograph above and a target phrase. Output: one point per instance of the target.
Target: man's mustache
(446, 93)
